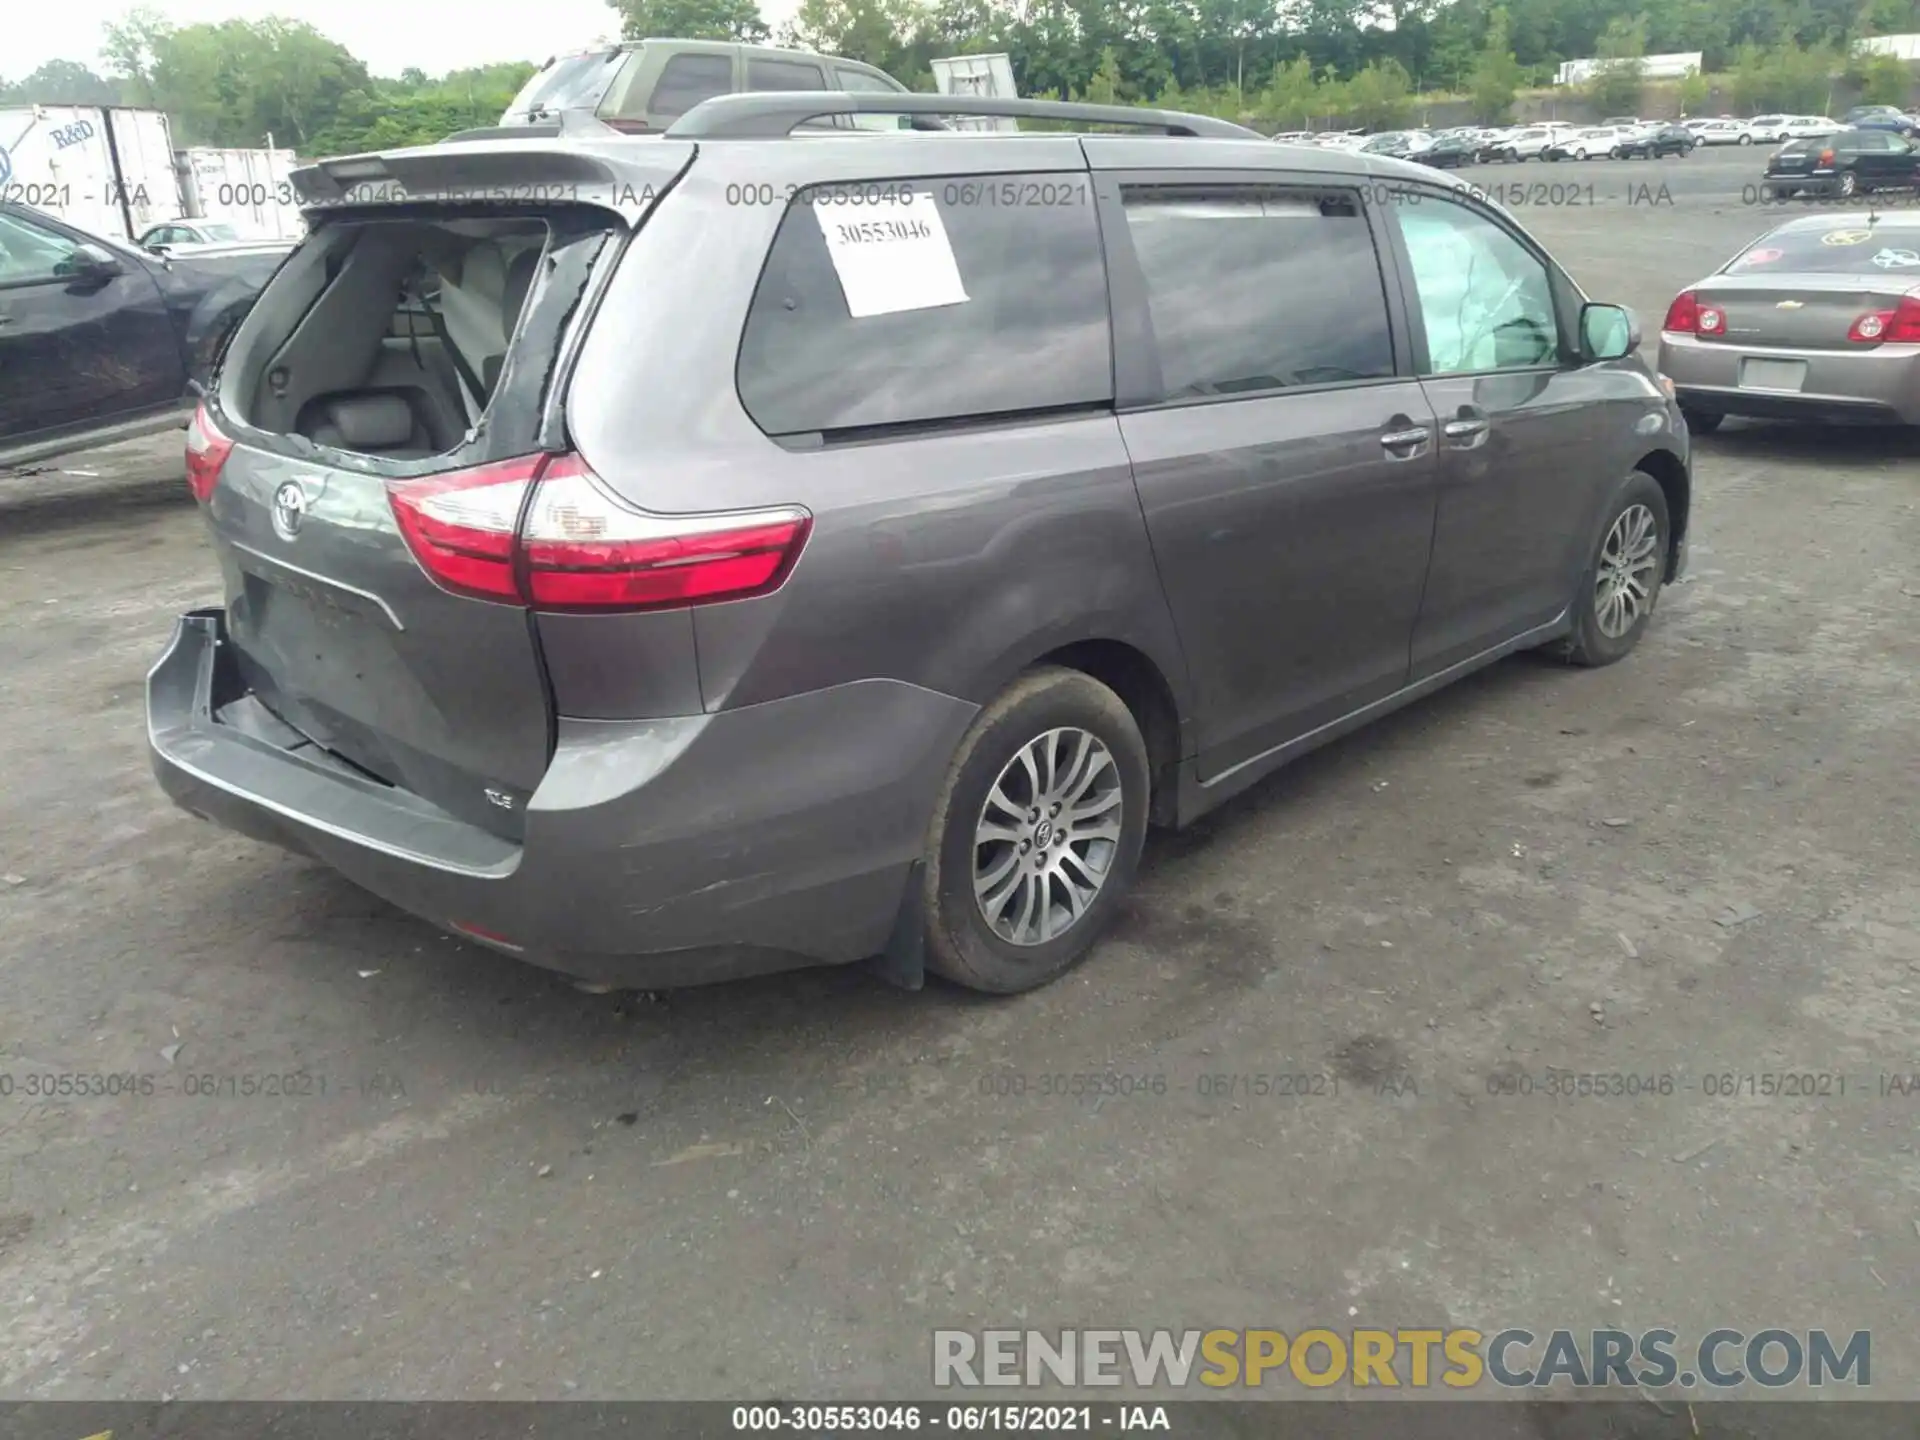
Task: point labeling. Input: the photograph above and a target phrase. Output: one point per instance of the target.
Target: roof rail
(766, 115)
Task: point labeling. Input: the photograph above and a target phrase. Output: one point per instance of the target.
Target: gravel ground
(1702, 861)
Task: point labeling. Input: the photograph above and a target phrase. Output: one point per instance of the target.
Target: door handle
(1465, 433)
(1404, 444)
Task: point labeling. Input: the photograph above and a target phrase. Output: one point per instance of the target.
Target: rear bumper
(656, 853)
(1870, 387)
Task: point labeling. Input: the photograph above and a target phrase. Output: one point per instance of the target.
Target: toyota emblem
(289, 509)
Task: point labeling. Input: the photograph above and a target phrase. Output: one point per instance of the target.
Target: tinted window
(1259, 289)
(1029, 331)
(783, 75)
(686, 80)
(1486, 300)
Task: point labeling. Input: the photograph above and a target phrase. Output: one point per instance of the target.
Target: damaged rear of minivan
(384, 464)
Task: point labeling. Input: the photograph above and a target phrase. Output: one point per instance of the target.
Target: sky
(389, 35)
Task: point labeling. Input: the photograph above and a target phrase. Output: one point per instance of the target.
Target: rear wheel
(1746, 139)
(1037, 833)
(1618, 589)
(1847, 186)
(1701, 422)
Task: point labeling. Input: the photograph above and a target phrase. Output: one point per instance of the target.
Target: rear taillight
(1687, 316)
(207, 451)
(579, 548)
(1898, 326)
(1825, 160)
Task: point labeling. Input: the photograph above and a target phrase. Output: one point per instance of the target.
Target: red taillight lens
(1870, 328)
(1899, 326)
(1825, 160)
(580, 548)
(1683, 315)
(207, 451)
(460, 527)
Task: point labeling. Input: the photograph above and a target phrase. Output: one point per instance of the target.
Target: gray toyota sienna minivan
(683, 557)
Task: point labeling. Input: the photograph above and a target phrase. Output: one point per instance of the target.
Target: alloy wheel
(1047, 836)
(1623, 588)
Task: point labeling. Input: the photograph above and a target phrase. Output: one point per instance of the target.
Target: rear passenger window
(1253, 289)
(783, 75)
(934, 303)
(686, 80)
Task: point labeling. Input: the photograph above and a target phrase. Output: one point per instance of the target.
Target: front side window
(859, 82)
(1485, 299)
(30, 254)
(929, 301)
(1254, 289)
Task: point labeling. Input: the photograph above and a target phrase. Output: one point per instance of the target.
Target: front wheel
(1036, 834)
(1746, 139)
(1618, 589)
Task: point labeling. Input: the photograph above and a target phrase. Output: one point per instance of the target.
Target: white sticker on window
(891, 257)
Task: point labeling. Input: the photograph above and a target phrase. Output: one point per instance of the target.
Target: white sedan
(1724, 132)
(201, 237)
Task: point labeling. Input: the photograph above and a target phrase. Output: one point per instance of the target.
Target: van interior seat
(385, 423)
(513, 299)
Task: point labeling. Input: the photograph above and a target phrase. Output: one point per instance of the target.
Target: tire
(1746, 139)
(1034, 711)
(1848, 185)
(1701, 422)
(1599, 638)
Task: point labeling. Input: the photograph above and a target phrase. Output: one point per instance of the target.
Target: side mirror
(154, 247)
(90, 263)
(1609, 332)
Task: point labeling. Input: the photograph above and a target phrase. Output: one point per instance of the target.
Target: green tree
(129, 48)
(1885, 80)
(1105, 87)
(1693, 92)
(1620, 82)
(61, 82)
(1288, 99)
(1379, 96)
(1496, 75)
(690, 19)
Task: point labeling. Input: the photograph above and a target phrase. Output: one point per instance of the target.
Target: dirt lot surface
(1702, 862)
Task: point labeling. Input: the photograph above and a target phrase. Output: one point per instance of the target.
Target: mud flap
(904, 961)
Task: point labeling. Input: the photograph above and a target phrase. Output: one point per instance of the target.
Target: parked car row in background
(1618, 137)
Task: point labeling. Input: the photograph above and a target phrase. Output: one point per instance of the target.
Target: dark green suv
(645, 85)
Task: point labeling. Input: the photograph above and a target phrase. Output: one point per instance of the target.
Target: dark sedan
(99, 340)
(1449, 152)
(1879, 117)
(1851, 162)
(1654, 144)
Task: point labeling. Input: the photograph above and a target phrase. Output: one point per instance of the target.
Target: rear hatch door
(419, 336)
